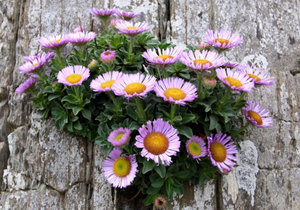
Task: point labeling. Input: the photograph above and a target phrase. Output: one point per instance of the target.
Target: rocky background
(41, 168)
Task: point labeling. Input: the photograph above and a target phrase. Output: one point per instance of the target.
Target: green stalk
(130, 46)
(241, 97)
(201, 94)
(241, 129)
(228, 91)
(58, 54)
(158, 70)
(140, 109)
(172, 112)
(113, 98)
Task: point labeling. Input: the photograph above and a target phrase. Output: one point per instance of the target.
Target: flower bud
(160, 202)
(93, 64)
(203, 46)
(108, 56)
(209, 82)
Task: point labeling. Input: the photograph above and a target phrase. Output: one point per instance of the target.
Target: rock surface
(42, 168)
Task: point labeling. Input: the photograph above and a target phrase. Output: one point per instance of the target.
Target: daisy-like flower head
(127, 15)
(102, 13)
(105, 81)
(221, 152)
(119, 171)
(230, 64)
(222, 39)
(54, 41)
(159, 141)
(73, 75)
(35, 62)
(119, 137)
(259, 77)
(160, 202)
(236, 80)
(196, 147)
(130, 28)
(176, 90)
(79, 29)
(257, 115)
(134, 85)
(203, 46)
(81, 37)
(163, 57)
(114, 22)
(26, 85)
(204, 60)
(108, 56)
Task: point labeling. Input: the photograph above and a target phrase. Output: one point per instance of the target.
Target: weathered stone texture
(46, 169)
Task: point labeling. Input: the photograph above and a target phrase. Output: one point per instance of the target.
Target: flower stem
(140, 109)
(172, 112)
(130, 45)
(201, 94)
(113, 98)
(58, 53)
(241, 97)
(158, 70)
(240, 130)
(228, 91)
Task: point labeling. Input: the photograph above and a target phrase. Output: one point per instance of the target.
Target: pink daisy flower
(73, 75)
(236, 80)
(79, 29)
(134, 85)
(102, 13)
(221, 152)
(119, 171)
(259, 77)
(204, 60)
(119, 137)
(257, 115)
(130, 28)
(81, 37)
(114, 22)
(35, 62)
(127, 15)
(176, 90)
(54, 41)
(104, 82)
(196, 147)
(108, 56)
(159, 141)
(27, 84)
(222, 39)
(163, 57)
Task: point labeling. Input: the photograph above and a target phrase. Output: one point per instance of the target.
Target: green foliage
(81, 112)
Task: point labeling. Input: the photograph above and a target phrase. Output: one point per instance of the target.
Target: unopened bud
(93, 64)
(160, 202)
(209, 82)
(203, 46)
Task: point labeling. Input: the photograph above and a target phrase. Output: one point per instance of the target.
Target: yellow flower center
(194, 148)
(222, 41)
(135, 88)
(156, 143)
(175, 93)
(107, 53)
(165, 57)
(107, 84)
(201, 62)
(57, 41)
(35, 64)
(233, 82)
(122, 167)
(218, 151)
(73, 78)
(131, 28)
(254, 77)
(255, 117)
(118, 137)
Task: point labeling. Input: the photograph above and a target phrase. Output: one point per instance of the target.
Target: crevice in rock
(89, 147)
(219, 193)
(212, 24)
(164, 16)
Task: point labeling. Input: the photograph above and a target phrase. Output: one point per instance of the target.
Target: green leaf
(70, 99)
(76, 110)
(158, 183)
(78, 126)
(168, 187)
(185, 130)
(188, 118)
(87, 114)
(161, 170)
(213, 124)
(153, 191)
(147, 166)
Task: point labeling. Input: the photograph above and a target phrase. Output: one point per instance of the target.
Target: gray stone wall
(41, 168)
